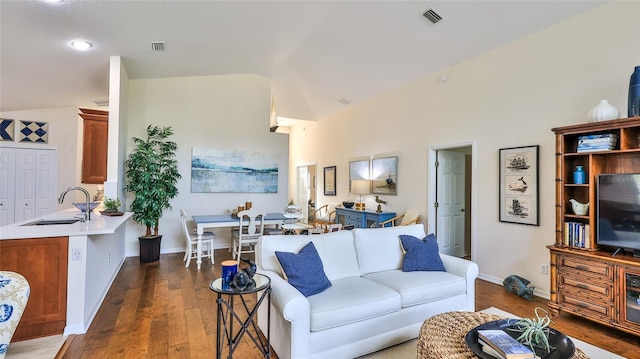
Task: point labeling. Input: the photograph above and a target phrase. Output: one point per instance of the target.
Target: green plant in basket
(534, 331)
(112, 204)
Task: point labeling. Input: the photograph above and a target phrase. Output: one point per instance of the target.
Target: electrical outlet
(76, 254)
(544, 268)
(109, 258)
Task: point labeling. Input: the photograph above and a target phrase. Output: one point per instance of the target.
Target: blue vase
(634, 93)
(579, 175)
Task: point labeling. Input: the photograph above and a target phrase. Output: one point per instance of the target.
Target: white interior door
(304, 189)
(450, 219)
(7, 185)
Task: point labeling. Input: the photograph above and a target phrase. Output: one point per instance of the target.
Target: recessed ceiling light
(81, 45)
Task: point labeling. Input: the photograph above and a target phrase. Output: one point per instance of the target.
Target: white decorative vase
(604, 111)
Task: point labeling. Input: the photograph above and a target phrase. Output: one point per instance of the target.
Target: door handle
(461, 209)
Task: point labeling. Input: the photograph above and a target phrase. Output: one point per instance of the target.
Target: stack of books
(501, 345)
(601, 142)
(577, 235)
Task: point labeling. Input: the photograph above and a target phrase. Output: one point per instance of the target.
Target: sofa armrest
(467, 270)
(288, 300)
(289, 305)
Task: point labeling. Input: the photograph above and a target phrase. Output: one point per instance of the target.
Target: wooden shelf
(588, 281)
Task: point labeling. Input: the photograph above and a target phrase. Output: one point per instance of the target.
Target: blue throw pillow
(304, 270)
(421, 254)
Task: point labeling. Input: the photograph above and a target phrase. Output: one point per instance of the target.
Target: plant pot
(149, 249)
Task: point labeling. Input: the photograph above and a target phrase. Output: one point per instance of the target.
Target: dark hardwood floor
(164, 310)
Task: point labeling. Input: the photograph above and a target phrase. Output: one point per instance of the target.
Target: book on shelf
(598, 136)
(586, 150)
(601, 142)
(577, 235)
(504, 345)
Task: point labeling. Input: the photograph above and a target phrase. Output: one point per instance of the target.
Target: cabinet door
(7, 185)
(629, 297)
(43, 262)
(94, 151)
(46, 185)
(25, 195)
(35, 174)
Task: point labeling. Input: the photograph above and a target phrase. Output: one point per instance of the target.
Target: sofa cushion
(420, 287)
(304, 270)
(328, 245)
(421, 254)
(350, 300)
(379, 249)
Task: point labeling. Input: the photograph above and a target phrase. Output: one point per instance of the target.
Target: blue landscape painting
(230, 171)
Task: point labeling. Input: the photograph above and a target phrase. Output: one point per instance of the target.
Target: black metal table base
(227, 317)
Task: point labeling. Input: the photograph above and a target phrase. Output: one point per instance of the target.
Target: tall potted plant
(152, 174)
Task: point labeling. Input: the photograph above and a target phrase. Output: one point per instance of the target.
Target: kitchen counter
(99, 224)
(88, 256)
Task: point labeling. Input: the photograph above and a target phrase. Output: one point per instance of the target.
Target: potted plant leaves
(152, 174)
(112, 207)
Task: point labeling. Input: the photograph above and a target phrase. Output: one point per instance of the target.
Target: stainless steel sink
(47, 222)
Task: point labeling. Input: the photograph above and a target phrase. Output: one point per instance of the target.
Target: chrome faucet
(87, 209)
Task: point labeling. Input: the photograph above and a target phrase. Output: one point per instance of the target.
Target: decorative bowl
(81, 205)
(348, 204)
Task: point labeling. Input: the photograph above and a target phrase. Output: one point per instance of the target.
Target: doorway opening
(306, 189)
(451, 188)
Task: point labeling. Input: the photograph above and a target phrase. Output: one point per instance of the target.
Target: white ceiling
(315, 52)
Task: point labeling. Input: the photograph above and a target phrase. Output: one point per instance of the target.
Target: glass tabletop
(258, 283)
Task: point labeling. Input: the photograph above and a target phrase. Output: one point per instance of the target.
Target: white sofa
(371, 304)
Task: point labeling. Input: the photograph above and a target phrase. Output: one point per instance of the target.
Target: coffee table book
(504, 344)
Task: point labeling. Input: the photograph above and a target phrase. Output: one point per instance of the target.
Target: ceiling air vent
(157, 46)
(432, 15)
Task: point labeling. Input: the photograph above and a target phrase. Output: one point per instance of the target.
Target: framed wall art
(34, 132)
(231, 171)
(384, 175)
(358, 170)
(519, 185)
(6, 129)
(330, 181)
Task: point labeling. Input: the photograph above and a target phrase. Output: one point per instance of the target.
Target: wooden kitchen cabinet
(43, 262)
(94, 145)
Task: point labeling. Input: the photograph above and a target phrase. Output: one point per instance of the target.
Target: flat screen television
(618, 211)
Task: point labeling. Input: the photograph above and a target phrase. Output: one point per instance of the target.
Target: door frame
(432, 187)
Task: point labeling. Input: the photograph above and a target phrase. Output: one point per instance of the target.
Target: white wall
(511, 96)
(218, 112)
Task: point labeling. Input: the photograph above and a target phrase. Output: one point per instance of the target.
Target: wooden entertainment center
(588, 280)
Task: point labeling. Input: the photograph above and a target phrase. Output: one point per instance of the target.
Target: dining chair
(250, 230)
(325, 215)
(191, 252)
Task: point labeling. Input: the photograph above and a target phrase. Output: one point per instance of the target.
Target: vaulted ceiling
(321, 56)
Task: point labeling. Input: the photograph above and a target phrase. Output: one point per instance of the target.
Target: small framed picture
(518, 200)
(330, 181)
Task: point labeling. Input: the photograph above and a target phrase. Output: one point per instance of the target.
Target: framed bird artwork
(385, 175)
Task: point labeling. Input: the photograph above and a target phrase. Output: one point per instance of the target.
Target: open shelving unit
(587, 280)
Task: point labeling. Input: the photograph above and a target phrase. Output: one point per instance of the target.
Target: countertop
(98, 224)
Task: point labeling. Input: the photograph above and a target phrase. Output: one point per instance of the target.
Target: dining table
(207, 221)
